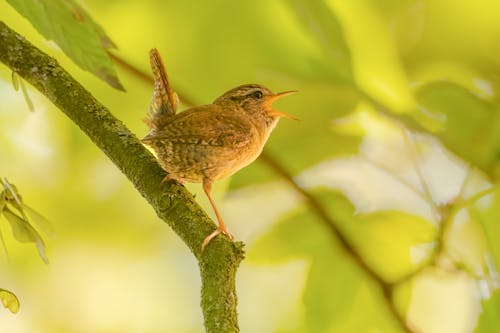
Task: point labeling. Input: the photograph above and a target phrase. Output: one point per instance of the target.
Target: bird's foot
(169, 177)
(217, 231)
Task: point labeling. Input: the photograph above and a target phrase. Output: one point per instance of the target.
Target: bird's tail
(164, 102)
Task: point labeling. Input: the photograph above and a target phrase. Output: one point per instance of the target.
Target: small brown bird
(209, 142)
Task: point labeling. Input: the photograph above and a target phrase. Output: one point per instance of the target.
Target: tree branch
(171, 201)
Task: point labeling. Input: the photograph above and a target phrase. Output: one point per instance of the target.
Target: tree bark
(171, 201)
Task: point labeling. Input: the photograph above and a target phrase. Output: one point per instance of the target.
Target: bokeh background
(398, 148)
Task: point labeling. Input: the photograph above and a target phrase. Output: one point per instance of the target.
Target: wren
(205, 143)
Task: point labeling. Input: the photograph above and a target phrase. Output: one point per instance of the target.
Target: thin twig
(412, 149)
(479, 195)
(446, 214)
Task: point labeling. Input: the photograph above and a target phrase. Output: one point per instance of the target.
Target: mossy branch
(171, 201)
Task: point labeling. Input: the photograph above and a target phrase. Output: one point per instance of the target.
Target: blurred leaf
(25, 233)
(460, 32)
(291, 238)
(10, 192)
(489, 219)
(377, 67)
(40, 221)
(256, 173)
(489, 321)
(331, 297)
(337, 292)
(12, 195)
(402, 295)
(22, 230)
(373, 235)
(403, 239)
(322, 23)
(460, 74)
(471, 125)
(306, 150)
(406, 20)
(68, 24)
(9, 300)
(467, 242)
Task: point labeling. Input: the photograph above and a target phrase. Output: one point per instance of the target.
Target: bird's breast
(248, 153)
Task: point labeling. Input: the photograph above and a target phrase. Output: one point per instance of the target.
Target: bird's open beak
(274, 113)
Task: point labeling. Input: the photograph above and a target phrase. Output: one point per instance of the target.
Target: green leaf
(25, 233)
(76, 33)
(256, 173)
(489, 220)
(9, 300)
(322, 23)
(402, 296)
(489, 321)
(291, 238)
(337, 292)
(13, 197)
(40, 221)
(393, 243)
(22, 230)
(11, 193)
(403, 239)
(16, 201)
(377, 67)
(471, 126)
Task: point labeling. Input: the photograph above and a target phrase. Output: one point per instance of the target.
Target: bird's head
(255, 99)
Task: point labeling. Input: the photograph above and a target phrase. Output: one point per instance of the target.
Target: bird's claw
(216, 232)
(169, 177)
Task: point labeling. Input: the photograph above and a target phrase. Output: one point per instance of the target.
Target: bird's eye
(257, 94)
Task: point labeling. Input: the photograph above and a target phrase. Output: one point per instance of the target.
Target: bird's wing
(204, 126)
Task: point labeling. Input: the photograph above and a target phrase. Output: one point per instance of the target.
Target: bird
(203, 144)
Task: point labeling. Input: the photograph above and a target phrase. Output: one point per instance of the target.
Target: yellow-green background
(114, 267)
